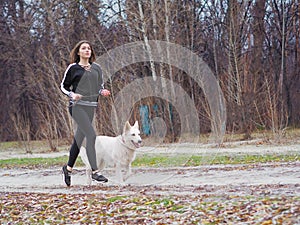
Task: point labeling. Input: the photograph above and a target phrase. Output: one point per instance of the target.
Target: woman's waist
(83, 103)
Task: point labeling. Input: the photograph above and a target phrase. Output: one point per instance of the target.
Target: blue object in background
(155, 109)
(144, 113)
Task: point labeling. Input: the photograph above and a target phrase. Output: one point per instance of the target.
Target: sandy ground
(283, 178)
(50, 180)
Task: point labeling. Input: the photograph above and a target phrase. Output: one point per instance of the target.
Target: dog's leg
(88, 172)
(127, 172)
(119, 175)
(101, 165)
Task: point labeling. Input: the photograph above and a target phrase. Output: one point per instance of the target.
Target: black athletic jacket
(87, 83)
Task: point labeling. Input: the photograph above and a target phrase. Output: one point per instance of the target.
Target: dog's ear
(136, 124)
(127, 127)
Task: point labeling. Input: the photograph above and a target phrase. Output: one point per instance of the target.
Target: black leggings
(83, 115)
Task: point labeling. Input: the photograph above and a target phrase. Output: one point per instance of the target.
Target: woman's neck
(84, 62)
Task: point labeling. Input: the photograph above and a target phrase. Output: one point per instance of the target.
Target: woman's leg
(83, 115)
(75, 148)
(77, 142)
(85, 125)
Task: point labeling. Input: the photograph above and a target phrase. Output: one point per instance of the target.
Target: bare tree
(253, 47)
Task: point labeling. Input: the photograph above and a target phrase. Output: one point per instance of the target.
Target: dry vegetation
(252, 47)
(140, 208)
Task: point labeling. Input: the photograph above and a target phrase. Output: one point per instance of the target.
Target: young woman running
(83, 83)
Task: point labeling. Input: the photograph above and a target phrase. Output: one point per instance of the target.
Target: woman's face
(85, 51)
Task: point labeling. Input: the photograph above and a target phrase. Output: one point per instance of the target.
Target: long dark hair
(74, 57)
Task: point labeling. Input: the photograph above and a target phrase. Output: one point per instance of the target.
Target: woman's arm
(66, 82)
(102, 90)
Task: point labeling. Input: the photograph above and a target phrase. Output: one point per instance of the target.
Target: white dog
(117, 151)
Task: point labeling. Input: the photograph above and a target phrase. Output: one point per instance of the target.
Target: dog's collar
(123, 143)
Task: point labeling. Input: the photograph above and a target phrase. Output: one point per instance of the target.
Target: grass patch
(197, 160)
(156, 161)
(31, 163)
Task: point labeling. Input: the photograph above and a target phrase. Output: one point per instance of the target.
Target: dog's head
(131, 135)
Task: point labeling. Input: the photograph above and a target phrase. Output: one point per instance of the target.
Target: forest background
(251, 46)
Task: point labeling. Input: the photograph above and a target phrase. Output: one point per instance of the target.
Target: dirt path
(50, 180)
(174, 180)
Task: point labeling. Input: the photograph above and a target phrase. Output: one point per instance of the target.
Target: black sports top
(88, 83)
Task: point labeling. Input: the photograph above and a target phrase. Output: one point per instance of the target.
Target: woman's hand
(75, 96)
(105, 92)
